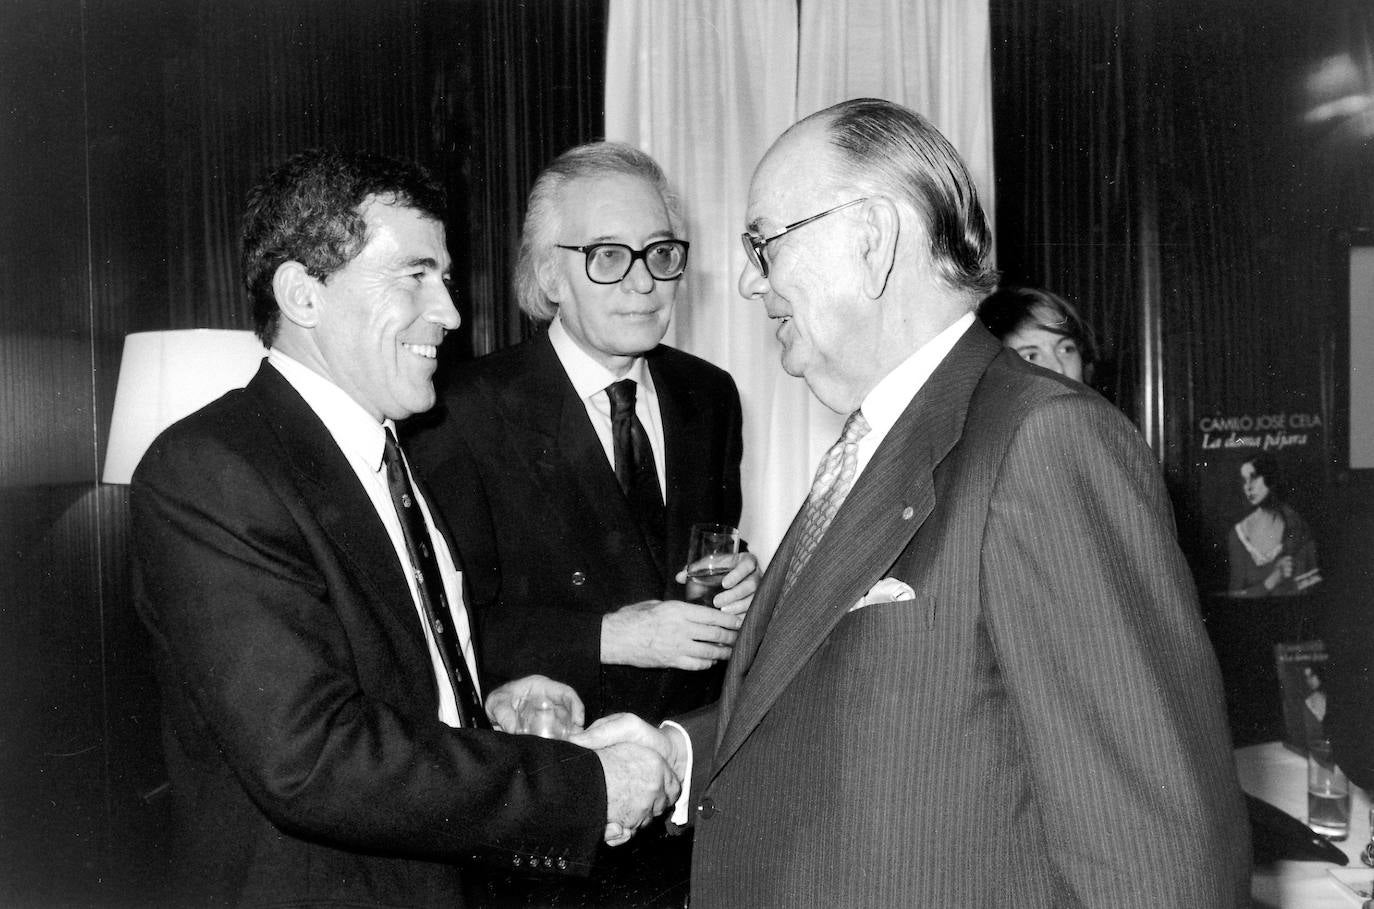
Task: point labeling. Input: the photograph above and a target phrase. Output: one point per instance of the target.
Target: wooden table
(1279, 776)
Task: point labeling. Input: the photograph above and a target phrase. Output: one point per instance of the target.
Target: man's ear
(552, 282)
(297, 294)
(878, 249)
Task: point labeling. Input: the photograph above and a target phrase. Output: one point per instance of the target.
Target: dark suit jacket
(307, 761)
(548, 542)
(1041, 726)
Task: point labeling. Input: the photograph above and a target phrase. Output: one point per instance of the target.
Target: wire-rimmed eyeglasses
(609, 263)
(756, 247)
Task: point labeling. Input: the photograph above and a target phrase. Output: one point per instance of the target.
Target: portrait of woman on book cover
(1271, 549)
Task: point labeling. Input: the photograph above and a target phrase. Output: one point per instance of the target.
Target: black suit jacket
(307, 761)
(547, 539)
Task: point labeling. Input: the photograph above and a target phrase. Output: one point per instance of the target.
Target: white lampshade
(165, 375)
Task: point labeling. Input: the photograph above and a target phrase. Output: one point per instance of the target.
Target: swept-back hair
(890, 149)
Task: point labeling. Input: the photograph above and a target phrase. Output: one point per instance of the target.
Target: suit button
(562, 864)
(706, 809)
(579, 578)
(515, 860)
(548, 862)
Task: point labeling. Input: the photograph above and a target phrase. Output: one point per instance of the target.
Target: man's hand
(623, 741)
(626, 727)
(639, 787)
(503, 704)
(657, 634)
(737, 587)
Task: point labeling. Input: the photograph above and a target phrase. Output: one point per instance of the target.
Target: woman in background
(1044, 328)
(1271, 549)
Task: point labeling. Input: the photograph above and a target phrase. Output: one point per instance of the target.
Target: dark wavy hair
(1266, 465)
(1012, 308)
(306, 210)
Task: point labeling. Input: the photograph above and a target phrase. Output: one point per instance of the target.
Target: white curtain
(705, 86)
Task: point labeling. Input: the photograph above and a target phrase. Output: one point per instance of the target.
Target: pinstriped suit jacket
(1042, 726)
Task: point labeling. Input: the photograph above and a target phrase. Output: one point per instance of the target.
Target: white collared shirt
(590, 379)
(894, 392)
(362, 439)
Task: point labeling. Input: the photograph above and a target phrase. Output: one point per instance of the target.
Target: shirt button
(706, 809)
(908, 513)
(579, 578)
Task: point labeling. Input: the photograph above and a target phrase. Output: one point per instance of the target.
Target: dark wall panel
(52, 763)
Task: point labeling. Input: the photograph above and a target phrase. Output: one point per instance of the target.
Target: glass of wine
(712, 551)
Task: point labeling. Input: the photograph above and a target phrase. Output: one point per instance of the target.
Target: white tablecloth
(1279, 776)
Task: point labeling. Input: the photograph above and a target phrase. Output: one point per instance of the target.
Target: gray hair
(538, 236)
(888, 148)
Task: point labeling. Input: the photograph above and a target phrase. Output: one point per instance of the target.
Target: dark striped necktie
(430, 583)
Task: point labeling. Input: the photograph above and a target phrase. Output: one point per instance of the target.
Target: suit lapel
(333, 494)
(887, 506)
(686, 434)
(569, 462)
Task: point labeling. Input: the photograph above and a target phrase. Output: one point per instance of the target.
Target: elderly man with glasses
(975, 673)
(571, 468)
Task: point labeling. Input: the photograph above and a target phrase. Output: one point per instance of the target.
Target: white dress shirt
(893, 393)
(881, 407)
(362, 439)
(590, 378)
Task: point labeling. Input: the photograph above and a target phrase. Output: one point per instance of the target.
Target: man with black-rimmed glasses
(572, 466)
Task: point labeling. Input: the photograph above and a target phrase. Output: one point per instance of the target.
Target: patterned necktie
(431, 586)
(834, 477)
(634, 462)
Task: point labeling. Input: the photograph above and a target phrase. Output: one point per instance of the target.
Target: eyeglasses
(756, 247)
(609, 263)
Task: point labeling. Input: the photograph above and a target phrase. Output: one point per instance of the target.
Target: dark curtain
(524, 82)
(483, 92)
(130, 131)
(1067, 206)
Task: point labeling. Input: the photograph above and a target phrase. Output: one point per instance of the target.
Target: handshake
(644, 765)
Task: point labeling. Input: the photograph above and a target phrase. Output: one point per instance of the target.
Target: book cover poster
(1262, 476)
(1300, 667)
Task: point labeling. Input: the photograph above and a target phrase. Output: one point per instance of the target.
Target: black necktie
(634, 462)
(431, 585)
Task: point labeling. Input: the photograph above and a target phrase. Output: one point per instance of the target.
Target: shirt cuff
(682, 811)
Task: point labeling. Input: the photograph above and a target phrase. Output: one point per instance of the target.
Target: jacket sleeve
(1095, 624)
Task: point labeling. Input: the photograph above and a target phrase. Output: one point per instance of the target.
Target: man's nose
(752, 284)
(638, 280)
(441, 310)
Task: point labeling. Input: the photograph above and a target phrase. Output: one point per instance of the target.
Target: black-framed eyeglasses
(756, 247)
(609, 263)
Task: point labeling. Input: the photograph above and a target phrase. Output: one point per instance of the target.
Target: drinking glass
(1328, 793)
(712, 550)
(544, 718)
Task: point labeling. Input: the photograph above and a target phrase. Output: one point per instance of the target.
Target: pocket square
(888, 590)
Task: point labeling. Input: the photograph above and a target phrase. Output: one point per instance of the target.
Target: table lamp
(165, 375)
